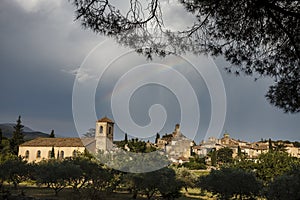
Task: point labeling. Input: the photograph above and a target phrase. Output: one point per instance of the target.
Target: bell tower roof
(105, 119)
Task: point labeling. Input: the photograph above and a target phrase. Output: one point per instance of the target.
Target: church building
(40, 149)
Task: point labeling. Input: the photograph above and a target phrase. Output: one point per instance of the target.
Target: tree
(258, 38)
(239, 154)
(231, 183)
(126, 138)
(213, 158)
(195, 162)
(224, 155)
(157, 137)
(187, 178)
(52, 135)
(14, 170)
(90, 133)
(142, 183)
(270, 145)
(52, 155)
(285, 187)
(17, 137)
(274, 164)
(53, 174)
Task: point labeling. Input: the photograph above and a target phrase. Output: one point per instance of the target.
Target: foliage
(194, 165)
(244, 164)
(162, 181)
(169, 186)
(157, 137)
(17, 138)
(187, 178)
(229, 183)
(133, 162)
(195, 162)
(54, 174)
(126, 138)
(273, 164)
(213, 158)
(285, 187)
(4, 145)
(52, 135)
(14, 170)
(270, 145)
(256, 37)
(52, 155)
(143, 183)
(224, 155)
(296, 144)
(239, 154)
(135, 145)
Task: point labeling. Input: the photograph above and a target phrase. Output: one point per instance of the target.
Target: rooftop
(54, 142)
(106, 119)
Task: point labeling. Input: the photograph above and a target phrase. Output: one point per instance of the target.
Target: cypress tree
(270, 145)
(214, 158)
(239, 151)
(17, 138)
(126, 138)
(52, 153)
(52, 135)
(157, 137)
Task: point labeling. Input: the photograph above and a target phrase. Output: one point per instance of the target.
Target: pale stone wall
(44, 152)
(104, 136)
(293, 151)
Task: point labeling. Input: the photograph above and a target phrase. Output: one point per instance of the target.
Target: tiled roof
(54, 142)
(105, 119)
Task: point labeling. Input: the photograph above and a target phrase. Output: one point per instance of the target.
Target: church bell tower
(104, 134)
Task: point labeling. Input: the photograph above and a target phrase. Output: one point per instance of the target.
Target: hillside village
(177, 147)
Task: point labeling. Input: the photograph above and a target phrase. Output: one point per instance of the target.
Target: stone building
(176, 145)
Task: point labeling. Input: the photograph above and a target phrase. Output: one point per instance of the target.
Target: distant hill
(29, 134)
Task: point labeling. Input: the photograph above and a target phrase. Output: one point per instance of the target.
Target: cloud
(35, 5)
(80, 74)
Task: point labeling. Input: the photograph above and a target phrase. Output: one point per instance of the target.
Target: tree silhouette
(270, 145)
(157, 137)
(52, 154)
(52, 135)
(17, 137)
(258, 38)
(224, 155)
(126, 138)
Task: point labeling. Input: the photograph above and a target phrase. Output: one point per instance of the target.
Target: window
(27, 154)
(74, 153)
(62, 154)
(38, 154)
(109, 130)
(101, 129)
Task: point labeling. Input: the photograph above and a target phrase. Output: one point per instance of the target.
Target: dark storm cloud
(35, 47)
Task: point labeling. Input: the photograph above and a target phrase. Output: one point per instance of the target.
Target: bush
(285, 187)
(230, 183)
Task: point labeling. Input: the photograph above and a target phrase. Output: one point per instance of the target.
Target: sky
(57, 75)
